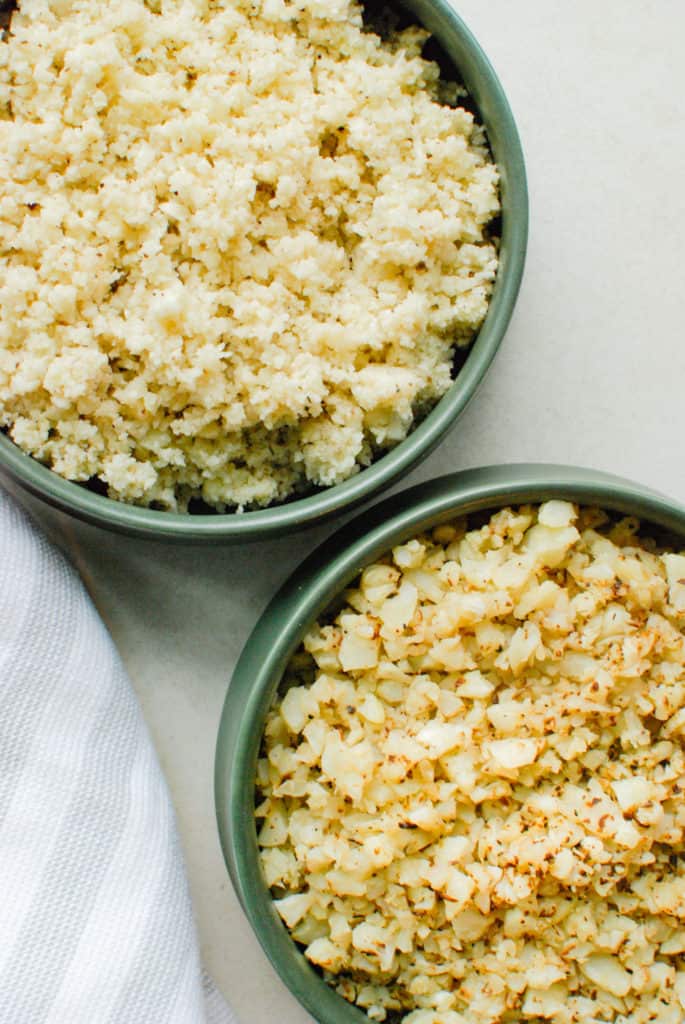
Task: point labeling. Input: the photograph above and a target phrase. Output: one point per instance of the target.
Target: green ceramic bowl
(305, 595)
(486, 93)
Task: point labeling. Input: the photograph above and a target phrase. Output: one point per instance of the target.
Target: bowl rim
(484, 86)
(302, 598)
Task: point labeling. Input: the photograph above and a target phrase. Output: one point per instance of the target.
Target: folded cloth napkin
(96, 925)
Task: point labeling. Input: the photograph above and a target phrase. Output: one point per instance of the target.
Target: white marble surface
(592, 372)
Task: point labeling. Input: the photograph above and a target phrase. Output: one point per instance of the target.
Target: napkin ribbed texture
(96, 925)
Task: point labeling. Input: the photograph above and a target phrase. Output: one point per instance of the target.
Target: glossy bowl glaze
(302, 599)
(474, 69)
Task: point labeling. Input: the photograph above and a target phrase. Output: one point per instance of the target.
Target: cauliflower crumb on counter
(470, 792)
(239, 242)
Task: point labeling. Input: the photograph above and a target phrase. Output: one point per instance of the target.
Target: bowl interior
(472, 67)
(304, 596)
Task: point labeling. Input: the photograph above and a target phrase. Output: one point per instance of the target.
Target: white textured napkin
(96, 925)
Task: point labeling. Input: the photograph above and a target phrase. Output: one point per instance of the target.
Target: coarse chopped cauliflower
(239, 242)
(470, 792)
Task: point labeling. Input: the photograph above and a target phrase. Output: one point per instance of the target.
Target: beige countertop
(591, 372)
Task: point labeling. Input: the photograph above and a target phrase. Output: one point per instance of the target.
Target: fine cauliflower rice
(239, 242)
(470, 793)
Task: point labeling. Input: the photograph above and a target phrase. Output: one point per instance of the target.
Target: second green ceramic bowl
(486, 92)
(305, 595)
